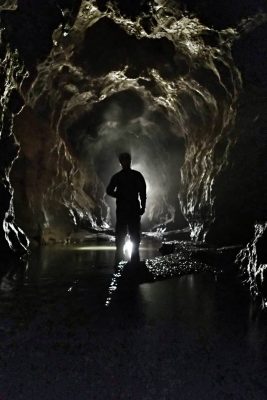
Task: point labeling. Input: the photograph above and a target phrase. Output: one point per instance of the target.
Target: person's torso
(128, 188)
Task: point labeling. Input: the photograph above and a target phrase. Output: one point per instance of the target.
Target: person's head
(125, 160)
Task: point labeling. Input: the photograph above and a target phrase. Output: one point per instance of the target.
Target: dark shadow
(126, 278)
(12, 274)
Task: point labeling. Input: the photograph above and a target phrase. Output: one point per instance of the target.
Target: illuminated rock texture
(13, 242)
(253, 262)
(8, 5)
(173, 82)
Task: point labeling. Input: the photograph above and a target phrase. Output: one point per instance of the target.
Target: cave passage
(174, 84)
(124, 122)
(167, 95)
(177, 90)
(181, 85)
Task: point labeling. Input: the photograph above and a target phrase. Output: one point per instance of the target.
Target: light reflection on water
(114, 281)
(157, 268)
(64, 283)
(73, 268)
(92, 248)
(68, 266)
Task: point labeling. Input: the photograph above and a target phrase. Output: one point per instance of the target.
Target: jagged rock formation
(253, 262)
(171, 81)
(13, 242)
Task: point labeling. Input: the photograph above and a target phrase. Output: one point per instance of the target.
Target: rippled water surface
(197, 334)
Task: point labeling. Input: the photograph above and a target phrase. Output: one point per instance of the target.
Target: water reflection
(114, 281)
(156, 268)
(73, 286)
(14, 278)
(69, 269)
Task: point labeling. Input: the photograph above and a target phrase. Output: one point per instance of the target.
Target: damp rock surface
(13, 241)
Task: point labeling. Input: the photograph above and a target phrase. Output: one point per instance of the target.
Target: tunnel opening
(125, 121)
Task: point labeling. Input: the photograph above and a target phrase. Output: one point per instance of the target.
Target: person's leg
(134, 227)
(121, 232)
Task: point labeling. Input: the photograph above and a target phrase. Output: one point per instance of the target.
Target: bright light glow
(128, 248)
(95, 248)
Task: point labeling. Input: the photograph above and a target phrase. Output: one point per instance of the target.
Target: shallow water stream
(196, 336)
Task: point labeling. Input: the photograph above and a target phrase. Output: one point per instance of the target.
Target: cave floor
(193, 337)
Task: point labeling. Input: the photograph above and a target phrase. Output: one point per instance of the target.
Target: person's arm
(112, 187)
(142, 194)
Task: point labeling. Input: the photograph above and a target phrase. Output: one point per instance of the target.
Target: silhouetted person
(129, 188)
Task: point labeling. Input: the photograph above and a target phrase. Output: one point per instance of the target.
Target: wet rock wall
(13, 241)
(241, 187)
(252, 261)
(41, 173)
